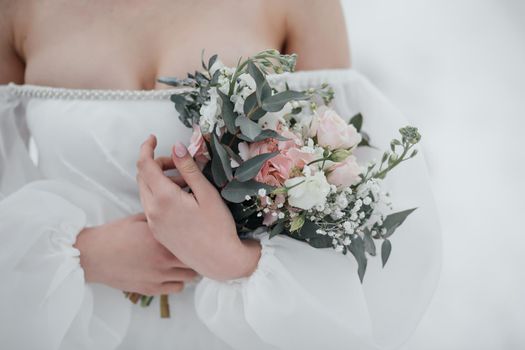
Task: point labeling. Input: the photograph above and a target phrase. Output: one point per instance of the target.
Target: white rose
(308, 191)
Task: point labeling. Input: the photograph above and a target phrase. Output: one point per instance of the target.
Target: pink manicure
(180, 149)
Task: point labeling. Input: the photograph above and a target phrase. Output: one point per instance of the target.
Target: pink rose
(197, 147)
(300, 158)
(333, 132)
(275, 170)
(293, 140)
(345, 173)
(247, 151)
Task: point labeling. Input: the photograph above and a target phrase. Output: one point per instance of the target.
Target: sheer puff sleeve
(44, 301)
(305, 298)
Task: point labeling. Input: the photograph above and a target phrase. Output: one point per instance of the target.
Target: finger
(179, 180)
(170, 287)
(165, 163)
(138, 217)
(191, 173)
(150, 171)
(146, 196)
(179, 275)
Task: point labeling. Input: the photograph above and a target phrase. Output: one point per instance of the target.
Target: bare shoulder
(11, 65)
(316, 31)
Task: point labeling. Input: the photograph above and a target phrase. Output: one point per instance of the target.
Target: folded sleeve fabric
(44, 300)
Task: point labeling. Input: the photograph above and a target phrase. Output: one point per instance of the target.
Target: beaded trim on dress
(34, 91)
(300, 78)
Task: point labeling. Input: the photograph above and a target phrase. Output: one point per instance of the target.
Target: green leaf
(386, 248)
(320, 242)
(236, 191)
(393, 221)
(232, 154)
(212, 61)
(370, 246)
(309, 230)
(263, 90)
(277, 229)
(357, 248)
(228, 115)
(297, 223)
(252, 109)
(250, 103)
(250, 168)
(220, 167)
(365, 140)
(357, 121)
(270, 134)
(249, 128)
(276, 102)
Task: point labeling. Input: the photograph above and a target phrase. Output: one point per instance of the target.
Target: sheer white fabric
(298, 297)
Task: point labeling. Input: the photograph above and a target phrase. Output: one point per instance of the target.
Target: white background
(457, 69)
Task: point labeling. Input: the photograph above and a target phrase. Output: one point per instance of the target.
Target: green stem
(382, 173)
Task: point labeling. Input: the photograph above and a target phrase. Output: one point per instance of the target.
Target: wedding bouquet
(283, 159)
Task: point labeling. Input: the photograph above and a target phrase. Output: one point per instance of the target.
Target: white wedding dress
(298, 298)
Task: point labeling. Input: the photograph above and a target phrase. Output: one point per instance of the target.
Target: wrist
(241, 262)
(85, 245)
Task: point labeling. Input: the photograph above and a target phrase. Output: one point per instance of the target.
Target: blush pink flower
(247, 151)
(269, 218)
(300, 158)
(293, 141)
(345, 173)
(333, 132)
(275, 170)
(197, 147)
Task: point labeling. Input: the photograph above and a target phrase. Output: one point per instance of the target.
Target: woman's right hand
(124, 255)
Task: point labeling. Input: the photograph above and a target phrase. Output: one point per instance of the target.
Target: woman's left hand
(197, 227)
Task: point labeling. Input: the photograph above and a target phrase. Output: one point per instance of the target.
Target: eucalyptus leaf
(386, 248)
(309, 230)
(252, 109)
(234, 156)
(221, 168)
(357, 121)
(277, 229)
(263, 90)
(250, 168)
(180, 105)
(320, 242)
(365, 140)
(250, 103)
(212, 61)
(236, 191)
(228, 115)
(370, 246)
(248, 127)
(276, 102)
(357, 248)
(270, 134)
(393, 221)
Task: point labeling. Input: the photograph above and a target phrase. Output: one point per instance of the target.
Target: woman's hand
(197, 227)
(125, 255)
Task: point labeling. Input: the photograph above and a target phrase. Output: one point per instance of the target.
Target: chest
(128, 44)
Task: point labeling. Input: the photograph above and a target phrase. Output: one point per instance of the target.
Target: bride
(79, 222)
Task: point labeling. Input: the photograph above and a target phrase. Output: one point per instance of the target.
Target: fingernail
(180, 149)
